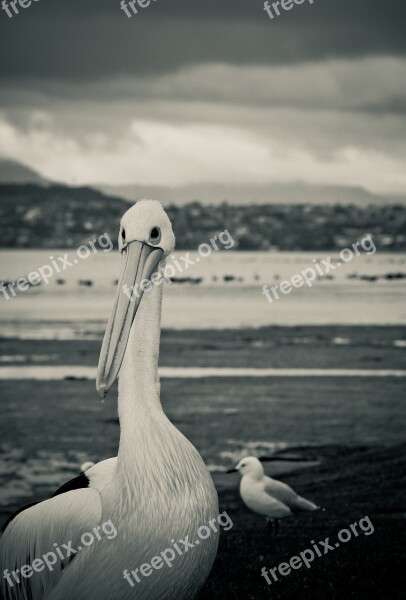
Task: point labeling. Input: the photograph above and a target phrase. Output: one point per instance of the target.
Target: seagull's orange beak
(139, 262)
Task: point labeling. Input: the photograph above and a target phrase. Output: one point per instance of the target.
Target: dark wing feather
(79, 482)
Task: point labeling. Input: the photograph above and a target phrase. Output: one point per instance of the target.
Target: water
(80, 372)
(223, 290)
(227, 416)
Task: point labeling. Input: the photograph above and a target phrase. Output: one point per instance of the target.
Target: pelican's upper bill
(145, 239)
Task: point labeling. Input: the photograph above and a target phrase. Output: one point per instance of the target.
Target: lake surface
(223, 290)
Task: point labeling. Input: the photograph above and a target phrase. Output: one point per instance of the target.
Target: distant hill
(33, 216)
(58, 216)
(14, 172)
(275, 193)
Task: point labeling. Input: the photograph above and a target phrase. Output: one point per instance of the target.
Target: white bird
(86, 465)
(266, 496)
(155, 492)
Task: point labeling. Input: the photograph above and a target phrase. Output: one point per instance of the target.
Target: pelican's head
(249, 466)
(146, 222)
(145, 238)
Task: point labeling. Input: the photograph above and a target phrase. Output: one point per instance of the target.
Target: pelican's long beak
(139, 262)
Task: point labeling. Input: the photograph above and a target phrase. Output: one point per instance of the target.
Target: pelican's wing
(46, 536)
(284, 493)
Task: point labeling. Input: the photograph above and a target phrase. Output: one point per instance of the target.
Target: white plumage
(155, 492)
(86, 465)
(267, 496)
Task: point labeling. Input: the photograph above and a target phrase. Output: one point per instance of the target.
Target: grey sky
(89, 38)
(317, 94)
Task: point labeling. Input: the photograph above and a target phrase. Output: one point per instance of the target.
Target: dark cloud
(94, 39)
(368, 85)
(361, 10)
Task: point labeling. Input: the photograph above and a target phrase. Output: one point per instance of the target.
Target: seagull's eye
(123, 235)
(244, 465)
(155, 235)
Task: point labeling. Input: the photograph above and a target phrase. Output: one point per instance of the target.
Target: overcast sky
(190, 91)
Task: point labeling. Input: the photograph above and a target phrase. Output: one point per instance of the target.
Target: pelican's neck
(155, 461)
(138, 388)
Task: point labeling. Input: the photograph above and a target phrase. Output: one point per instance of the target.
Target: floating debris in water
(395, 275)
(18, 282)
(191, 280)
(370, 278)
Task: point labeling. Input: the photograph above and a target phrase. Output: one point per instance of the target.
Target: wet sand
(353, 428)
(352, 483)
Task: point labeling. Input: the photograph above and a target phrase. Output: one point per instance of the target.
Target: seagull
(155, 492)
(267, 496)
(86, 465)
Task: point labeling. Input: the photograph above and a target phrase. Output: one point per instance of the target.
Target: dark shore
(350, 484)
(352, 427)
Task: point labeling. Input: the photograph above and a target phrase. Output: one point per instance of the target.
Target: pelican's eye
(123, 235)
(155, 235)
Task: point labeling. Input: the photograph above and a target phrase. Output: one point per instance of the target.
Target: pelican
(157, 490)
(266, 496)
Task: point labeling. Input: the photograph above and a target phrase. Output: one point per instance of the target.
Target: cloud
(334, 121)
(373, 84)
(368, 84)
(162, 153)
(80, 40)
(150, 152)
